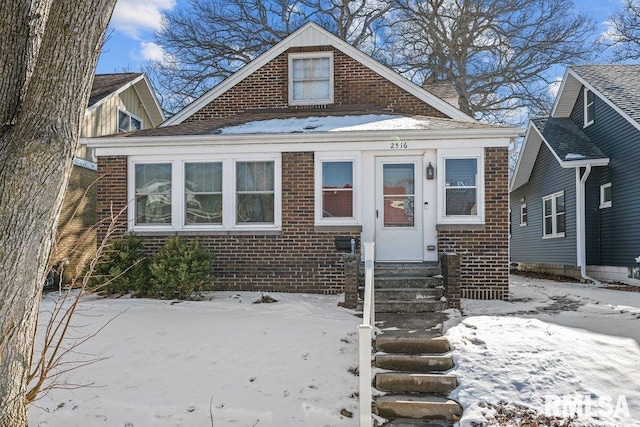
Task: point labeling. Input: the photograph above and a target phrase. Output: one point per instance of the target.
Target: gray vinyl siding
(616, 230)
(527, 244)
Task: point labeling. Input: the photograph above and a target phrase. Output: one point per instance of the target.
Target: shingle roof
(567, 140)
(216, 126)
(620, 84)
(106, 84)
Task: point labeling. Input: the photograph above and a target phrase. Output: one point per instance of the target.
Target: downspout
(581, 222)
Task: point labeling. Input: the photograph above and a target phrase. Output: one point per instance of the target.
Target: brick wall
(297, 260)
(485, 251)
(354, 85)
(76, 235)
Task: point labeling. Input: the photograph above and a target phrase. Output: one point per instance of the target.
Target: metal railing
(365, 335)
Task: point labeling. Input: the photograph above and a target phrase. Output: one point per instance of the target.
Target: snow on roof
(367, 122)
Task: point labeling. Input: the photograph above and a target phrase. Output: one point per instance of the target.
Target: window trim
(587, 106)
(443, 155)
(605, 204)
(524, 215)
(310, 55)
(178, 194)
(321, 158)
(554, 232)
(131, 115)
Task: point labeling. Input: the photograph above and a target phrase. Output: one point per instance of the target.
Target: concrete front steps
(412, 357)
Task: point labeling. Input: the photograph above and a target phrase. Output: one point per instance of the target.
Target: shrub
(180, 268)
(122, 267)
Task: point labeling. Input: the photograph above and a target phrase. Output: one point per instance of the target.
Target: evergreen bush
(122, 267)
(179, 269)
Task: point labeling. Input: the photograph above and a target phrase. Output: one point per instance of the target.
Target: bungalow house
(311, 144)
(573, 209)
(118, 103)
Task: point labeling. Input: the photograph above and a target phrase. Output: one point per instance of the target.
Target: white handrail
(365, 334)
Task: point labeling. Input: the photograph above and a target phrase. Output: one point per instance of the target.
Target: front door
(398, 209)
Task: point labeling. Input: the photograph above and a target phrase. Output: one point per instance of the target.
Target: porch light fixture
(431, 172)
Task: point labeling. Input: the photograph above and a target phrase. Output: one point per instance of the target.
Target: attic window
(311, 78)
(127, 122)
(589, 107)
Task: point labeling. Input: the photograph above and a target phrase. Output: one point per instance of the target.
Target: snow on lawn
(557, 348)
(227, 360)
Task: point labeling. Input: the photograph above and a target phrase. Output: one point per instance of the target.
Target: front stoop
(412, 357)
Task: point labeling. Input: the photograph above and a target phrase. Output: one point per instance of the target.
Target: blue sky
(131, 44)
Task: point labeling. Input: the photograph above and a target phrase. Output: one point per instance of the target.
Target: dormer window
(127, 122)
(589, 107)
(311, 78)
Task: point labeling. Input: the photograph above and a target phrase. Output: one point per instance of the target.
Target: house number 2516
(398, 145)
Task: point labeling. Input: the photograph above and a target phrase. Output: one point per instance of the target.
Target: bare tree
(624, 33)
(497, 53)
(49, 53)
(208, 40)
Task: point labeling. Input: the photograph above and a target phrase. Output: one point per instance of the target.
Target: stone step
(416, 306)
(412, 341)
(411, 382)
(381, 269)
(409, 422)
(423, 321)
(404, 282)
(417, 406)
(408, 294)
(414, 362)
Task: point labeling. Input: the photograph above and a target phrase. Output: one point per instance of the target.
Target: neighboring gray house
(575, 206)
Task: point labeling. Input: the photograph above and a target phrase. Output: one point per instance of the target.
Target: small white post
(364, 344)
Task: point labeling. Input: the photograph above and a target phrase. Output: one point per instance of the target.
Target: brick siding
(354, 85)
(299, 259)
(76, 235)
(485, 253)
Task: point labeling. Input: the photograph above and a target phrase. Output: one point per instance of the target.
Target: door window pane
(337, 189)
(203, 193)
(255, 192)
(153, 193)
(398, 195)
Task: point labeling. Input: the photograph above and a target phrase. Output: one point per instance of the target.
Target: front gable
(358, 82)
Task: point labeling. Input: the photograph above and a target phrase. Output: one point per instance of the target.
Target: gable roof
(570, 146)
(312, 34)
(617, 85)
(106, 86)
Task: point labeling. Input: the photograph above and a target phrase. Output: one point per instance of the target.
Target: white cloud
(135, 16)
(151, 52)
(554, 87)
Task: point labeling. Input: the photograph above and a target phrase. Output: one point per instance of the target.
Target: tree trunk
(45, 78)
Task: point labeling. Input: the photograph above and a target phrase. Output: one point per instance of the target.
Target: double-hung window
(524, 214)
(127, 122)
(153, 193)
(206, 193)
(589, 107)
(462, 187)
(337, 189)
(605, 195)
(553, 211)
(311, 78)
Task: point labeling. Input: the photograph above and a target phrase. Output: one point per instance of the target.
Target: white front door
(398, 232)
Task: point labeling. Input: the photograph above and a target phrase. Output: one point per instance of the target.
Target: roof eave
(568, 164)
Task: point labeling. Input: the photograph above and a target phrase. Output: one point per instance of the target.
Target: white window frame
(445, 154)
(178, 196)
(588, 105)
(302, 56)
(354, 158)
(554, 232)
(605, 204)
(524, 215)
(131, 115)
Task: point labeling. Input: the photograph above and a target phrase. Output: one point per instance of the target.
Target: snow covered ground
(221, 362)
(556, 348)
(560, 349)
